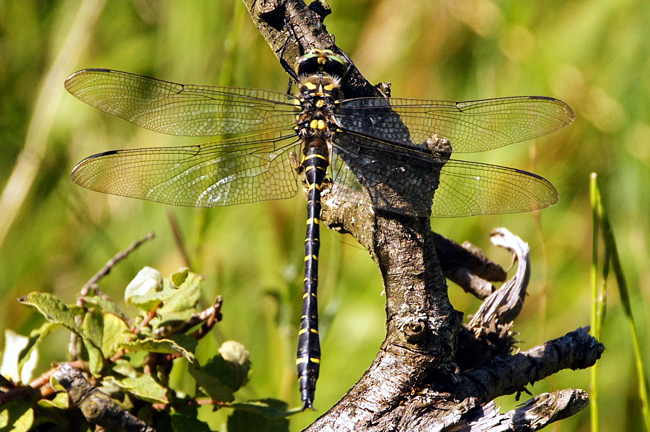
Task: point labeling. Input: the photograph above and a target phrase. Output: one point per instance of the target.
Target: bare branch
(97, 407)
(112, 262)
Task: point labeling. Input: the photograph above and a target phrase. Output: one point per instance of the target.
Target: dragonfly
(383, 154)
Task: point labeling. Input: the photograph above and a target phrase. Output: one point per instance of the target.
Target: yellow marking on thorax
(318, 124)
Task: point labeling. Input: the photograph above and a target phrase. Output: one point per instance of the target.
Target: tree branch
(97, 407)
(414, 382)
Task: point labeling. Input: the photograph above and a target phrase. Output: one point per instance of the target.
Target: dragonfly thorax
(318, 95)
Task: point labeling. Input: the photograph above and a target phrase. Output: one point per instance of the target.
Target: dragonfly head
(322, 61)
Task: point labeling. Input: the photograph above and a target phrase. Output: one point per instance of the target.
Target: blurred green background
(593, 54)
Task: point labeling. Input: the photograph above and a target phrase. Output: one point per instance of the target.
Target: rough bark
(97, 407)
(431, 373)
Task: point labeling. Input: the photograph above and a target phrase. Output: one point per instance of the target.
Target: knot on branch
(414, 330)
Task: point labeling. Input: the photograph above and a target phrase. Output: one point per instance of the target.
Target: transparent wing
(345, 184)
(404, 180)
(470, 189)
(395, 178)
(182, 109)
(228, 172)
(470, 126)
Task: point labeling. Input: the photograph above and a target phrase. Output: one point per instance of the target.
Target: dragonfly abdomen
(314, 163)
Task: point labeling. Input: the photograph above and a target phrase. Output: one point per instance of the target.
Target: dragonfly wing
(404, 180)
(224, 173)
(470, 126)
(395, 178)
(182, 109)
(345, 184)
(471, 188)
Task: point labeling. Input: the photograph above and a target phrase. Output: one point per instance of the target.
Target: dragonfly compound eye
(322, 61)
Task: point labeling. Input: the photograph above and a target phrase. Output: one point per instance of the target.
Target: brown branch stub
(467, 266)
(534, 414)
(501, 376)
(488, 334)
(499, 310)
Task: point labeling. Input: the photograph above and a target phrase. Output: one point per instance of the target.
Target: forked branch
(432, 373)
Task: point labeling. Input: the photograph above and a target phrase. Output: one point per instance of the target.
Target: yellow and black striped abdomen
(314, 162)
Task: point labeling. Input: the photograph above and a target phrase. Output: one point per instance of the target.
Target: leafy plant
(118, 377)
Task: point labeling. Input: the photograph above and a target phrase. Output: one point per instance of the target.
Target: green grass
(599, 302)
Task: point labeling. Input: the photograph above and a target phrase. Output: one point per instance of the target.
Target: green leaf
(124, 367)
(95, 357)
(55, 311)
(143, 387)
(215, 379)
(61, 401)
(182, 306)
(16, 416)
(183, 423)
(186, 342)
(26, 363)
(268, 415)
(92, 332)
(147, 290)
(93, 327)
(52, 308)
(106, 331)
(238, 359)
(164, 346)
(115, 333)
(107, 305)
(161, 421)
(179, 277)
